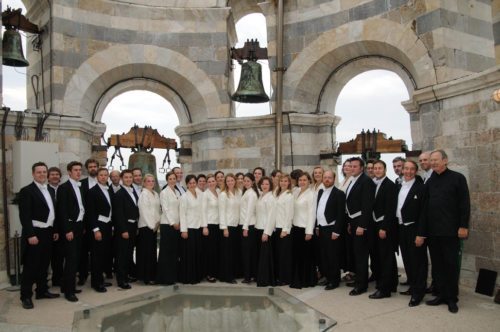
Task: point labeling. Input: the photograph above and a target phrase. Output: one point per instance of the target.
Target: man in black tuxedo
(125, 218)
(384, 236)
(409, 208)
(359, 206)
(137, 180)
(57, 259)
(397, 166)
(445, 221)
(179, 174)
(70, 214)
(91, 165)
(330, 219)
(98, 211)
(37, 215)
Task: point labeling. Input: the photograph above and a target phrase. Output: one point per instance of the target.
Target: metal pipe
(279, 85)
(5, 203)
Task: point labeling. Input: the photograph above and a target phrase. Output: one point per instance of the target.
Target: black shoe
(232, 282)
(414, 302)
(372, 278)
(132, 279)
(71, 297)
(405, 283)
(47, 295)
(27, 304)
(211, 279)
(149, 283)
(351, 284)
(124, 286)
(323, 282)
(81, 281)
(452, 307)
(100, 289)
(77, 291)
(107, 284)
(246, 281)
(331, 286)
(379, 295)
(406, 292)
(435, 301)
(357, 291)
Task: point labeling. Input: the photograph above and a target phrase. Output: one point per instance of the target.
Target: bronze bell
(250, 90)
(146, 161)
(12, 49)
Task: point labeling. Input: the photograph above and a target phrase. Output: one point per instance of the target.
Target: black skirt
(211, 254)
(227, 259)
(265, 271)
(303, 271)
(191, 267)
(146, 255)
(282, 258)
(168, 259)
(250, 254)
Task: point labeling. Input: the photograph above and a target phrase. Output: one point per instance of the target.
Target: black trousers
(414, 259)
(168, 258)
(330, 253)
(444, 256)
(384, 250)
(57, 261)
(85, 248)
(360, 246)
(146, 255)
(100, 252)
(36, 259)
(71, 258)
(124, 251)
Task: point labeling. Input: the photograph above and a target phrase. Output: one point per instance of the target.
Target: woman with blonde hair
(149, 221)
(264, 230)
(210, 215)
(248, 216)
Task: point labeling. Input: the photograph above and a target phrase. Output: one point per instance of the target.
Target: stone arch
(389, 44)
(98, 78)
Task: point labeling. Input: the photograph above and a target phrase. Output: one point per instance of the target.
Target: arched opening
(252, 26)
(143, 108)
(372, 100)
(14, 81)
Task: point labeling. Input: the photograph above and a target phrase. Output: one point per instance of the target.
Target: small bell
(12, 49)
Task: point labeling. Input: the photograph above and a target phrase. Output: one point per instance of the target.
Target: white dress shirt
(130, 191)
(149, 209)
(304, 210)
(248, 207)
(210, 208)
(180, 188)
(190, 211)
(403, 192)
(266, 213)
(378, 182)
(76, 188)
(351, 184)
(229, 209)
(50, 204)
(320, 211)
(427, 174)
(284, 211)
(169, 200)
(137, 188)
(92, 182)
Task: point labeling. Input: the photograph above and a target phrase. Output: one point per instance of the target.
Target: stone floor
(477, 312)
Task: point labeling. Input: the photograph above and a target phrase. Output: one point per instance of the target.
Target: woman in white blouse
(282, 226)
(346, 172)
(304, 218)
(169, 233)
(149, 220)
(229, 216)
(248, 215)
(210, 215)
(192, 230)
(264, 227)
(317, 179)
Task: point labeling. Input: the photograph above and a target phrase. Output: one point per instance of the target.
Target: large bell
(13, 49)
(146, 161)
(250, 90)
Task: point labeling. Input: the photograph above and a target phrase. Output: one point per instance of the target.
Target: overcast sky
(370, 100)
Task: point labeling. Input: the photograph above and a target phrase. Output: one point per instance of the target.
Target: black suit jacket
(361, 198)
(413, 204)
(335, 209)
(67, 209)
(32, 206)
(97, 205)
(385, 205)
(124, 209)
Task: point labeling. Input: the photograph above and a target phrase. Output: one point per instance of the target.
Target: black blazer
(335, 209)
(385, 205)
(97, 205)
(124, 209)
(361, 198)
(413, 204)
(84, 188)
(32, 206)
(67, 209)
